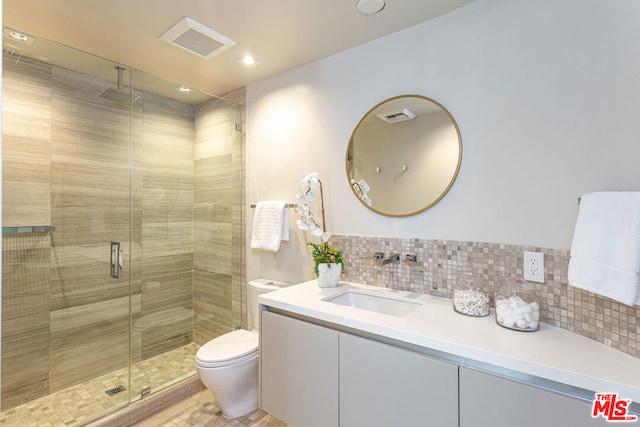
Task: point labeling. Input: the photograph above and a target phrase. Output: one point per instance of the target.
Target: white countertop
(550, 353)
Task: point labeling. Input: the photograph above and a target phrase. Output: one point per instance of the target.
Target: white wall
(545, 94)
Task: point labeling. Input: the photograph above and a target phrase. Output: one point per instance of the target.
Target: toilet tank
(257, 287)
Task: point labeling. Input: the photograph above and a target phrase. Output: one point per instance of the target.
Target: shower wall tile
(26, 132)
(167, 134)
(19, 213)
(66, 163)
(88, 339)
(90, 208)
(162, 239)
(216, 237)
(214, 179)
(166, 318)
(25, 318)
(26, 148)
(215, 127)
(75, 272)
(217, 276)
(163, 282)
(212, 305)
(137, 207)
(172, 329)
(215, 212)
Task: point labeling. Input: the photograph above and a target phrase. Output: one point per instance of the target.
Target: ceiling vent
(196, 38)
(396, 116)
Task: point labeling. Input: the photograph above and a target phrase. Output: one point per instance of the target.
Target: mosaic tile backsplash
(442, 263)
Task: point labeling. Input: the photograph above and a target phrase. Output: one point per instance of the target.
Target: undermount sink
(373, 301)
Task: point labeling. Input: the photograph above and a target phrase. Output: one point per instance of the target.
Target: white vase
(329, 274)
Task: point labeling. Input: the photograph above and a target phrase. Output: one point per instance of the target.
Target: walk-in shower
(104, 164)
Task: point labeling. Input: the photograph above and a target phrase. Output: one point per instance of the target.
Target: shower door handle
(116, 260)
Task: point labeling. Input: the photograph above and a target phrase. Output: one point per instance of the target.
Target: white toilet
(228, 364)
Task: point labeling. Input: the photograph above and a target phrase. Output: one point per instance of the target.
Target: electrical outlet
(534, 266)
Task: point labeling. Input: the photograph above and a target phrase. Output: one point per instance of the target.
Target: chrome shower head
(119, 95)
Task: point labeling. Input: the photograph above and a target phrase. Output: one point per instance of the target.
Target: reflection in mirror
(404, 155)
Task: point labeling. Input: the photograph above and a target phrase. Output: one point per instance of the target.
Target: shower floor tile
(87, 401)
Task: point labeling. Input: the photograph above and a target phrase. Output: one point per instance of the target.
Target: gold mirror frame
(391, 109)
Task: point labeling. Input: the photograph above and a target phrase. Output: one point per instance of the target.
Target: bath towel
(605, 252)
(270, 225)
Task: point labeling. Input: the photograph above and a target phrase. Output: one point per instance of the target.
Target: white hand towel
(605, 253)
(270, 225)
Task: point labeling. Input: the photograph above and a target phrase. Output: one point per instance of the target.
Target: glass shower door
(153, 171)
(66, 166)
(90, 208)
(162, 350)
(187, 229)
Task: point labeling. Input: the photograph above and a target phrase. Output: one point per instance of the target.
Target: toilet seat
(228, 349)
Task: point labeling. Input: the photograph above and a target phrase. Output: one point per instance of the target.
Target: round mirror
(404, 155)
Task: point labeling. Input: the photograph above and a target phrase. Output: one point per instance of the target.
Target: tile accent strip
(441, 262)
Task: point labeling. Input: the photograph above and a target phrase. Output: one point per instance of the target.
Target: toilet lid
(230, 346)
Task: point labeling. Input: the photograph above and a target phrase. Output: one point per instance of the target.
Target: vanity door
(382, 385)
(299, 371)
(487, 400)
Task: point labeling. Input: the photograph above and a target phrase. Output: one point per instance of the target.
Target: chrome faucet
(380, 260)
(411, 259)
(377, 257)
(392, 258)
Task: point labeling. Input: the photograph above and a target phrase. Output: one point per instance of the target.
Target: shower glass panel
(187, 244)
(108, 157)
(65, 321)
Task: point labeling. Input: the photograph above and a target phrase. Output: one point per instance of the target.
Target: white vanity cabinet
(328, 364)
(299, 371)
(488, 400)
(316, 376)
(382, 385)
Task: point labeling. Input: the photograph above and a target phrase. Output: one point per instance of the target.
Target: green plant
(324, 254)
(321, 253)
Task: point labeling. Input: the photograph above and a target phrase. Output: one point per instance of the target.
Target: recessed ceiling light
(184, 89)
(18, 36)
(248, 61)
(369, 7)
